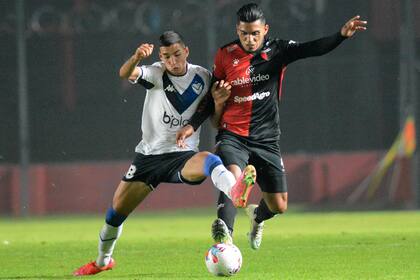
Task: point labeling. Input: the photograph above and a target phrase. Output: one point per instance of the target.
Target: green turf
(356, 245)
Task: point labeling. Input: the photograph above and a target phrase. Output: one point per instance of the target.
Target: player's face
(251, 34)
(175, 58)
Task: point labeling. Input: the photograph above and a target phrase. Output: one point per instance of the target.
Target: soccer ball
(223, 259)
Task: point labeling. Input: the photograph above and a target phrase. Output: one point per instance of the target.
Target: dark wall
(80, 110)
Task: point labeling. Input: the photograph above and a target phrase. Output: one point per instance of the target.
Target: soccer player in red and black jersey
(248, 118)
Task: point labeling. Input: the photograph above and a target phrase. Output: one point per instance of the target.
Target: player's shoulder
(277, 42)
(230, 47)
(157, 67)
(198, 69)
(280, 43)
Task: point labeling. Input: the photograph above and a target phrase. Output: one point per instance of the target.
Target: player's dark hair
(249, 13)
(169, 38)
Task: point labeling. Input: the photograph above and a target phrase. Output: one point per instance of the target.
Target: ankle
(102, 261)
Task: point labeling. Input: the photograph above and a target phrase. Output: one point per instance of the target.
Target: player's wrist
(194, 126)
(219, 106)
(135, 59)
(341, 35)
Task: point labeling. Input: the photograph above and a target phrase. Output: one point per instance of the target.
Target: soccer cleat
(91, 268)
(240, 191)
(220, 232)
(256, 231)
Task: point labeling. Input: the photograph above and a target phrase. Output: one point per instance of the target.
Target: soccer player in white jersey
(174, 90)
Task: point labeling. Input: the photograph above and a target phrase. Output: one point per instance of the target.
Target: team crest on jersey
(235, 62)
(197, 87)
(264, 55)
(265, 52)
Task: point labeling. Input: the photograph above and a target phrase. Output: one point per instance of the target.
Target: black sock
(263, 213)
(226, 211)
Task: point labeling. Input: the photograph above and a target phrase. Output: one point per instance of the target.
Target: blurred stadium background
(69, 125)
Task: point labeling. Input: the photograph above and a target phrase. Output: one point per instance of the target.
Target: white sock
(223, 179)
(107, 239)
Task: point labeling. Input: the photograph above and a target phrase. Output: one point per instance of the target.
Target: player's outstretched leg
(241, 190)
(220, 232)
(108, 237)
(256, 229)
(126, 198)
(92, 268)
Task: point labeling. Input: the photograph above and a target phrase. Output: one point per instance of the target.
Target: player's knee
(210, 162)
(121, 209)
(282, 209)
(278, 207)
(204, 154)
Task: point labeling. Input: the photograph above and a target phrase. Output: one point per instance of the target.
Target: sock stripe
(104, 240)
(211, 162)
(113, 218)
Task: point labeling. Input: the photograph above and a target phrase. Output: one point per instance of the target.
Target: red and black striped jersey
(252, 110)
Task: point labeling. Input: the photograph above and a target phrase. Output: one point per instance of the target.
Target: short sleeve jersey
(169, 104)
(252, 109)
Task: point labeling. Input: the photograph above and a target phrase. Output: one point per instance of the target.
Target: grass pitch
(355, 245)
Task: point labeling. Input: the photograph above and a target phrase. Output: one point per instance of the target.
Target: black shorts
(156, 169)
(271, 175)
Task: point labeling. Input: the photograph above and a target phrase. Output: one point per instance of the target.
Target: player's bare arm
(353, 25)
(129, 69)
(220, 91)
(183, 134)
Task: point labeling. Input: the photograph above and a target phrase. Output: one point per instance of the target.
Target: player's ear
(160, 56)
(187, 51)
(238, 32)
(266, 28)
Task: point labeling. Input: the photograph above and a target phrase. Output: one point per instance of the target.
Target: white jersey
(170, 103)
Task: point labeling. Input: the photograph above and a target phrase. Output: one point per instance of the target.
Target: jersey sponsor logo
(243, 81)
(250, 70)
(173, 121)
(170, 88)
(257, 95)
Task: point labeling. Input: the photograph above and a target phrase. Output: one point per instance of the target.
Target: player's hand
(183, 134)
(352, 26)
(220, 92)
(145, 50)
